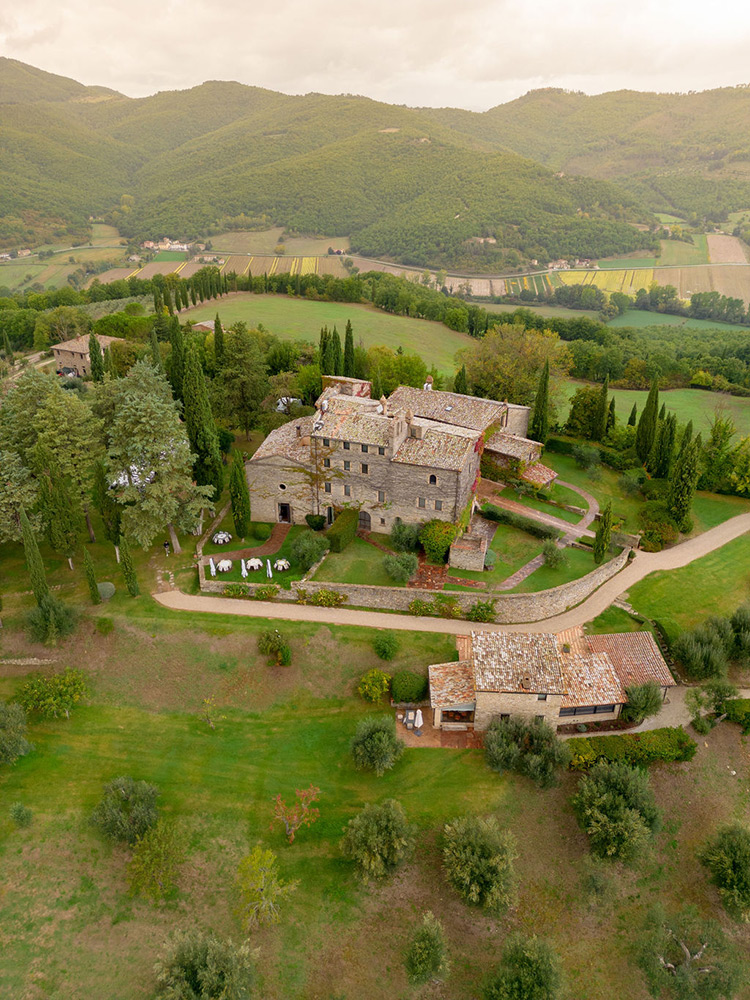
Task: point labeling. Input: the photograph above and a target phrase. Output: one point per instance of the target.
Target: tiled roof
(590, 680)
(517, 662)
(80, 345)
(539, 475)
(635, 657)
(463, 645)
(352, 418)
(441, 447)
(451, 684)
(447, 407)
(287, 442)
(512, 445)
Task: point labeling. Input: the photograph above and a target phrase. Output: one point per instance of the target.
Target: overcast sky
(465, 53)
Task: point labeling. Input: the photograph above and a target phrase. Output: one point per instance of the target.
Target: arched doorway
(365, 521)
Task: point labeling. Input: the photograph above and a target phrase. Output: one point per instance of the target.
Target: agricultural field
(627, 280)
(726, 249)
(104, 235)
(170, 255)
(675, 253)
(626, 261)
(551, 312)
(540, 284)
(732, 280)
(297, 319)
(642, 318)
(266, 241)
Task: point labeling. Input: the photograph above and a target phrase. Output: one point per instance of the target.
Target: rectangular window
(382, 520)
(381, 496)
(347, 466)
(346, 446)
(381, 451)
(541, 697)
(328, 488)
(347, 491)
(588, 710)
(539, 718)
(365, 449)
(365, 468)
(421, 502)
(505, 715)
(326, 463)
(438, 505)
(326, 442)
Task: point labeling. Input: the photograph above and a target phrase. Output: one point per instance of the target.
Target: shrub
(446, 606)
(407, 686)
(478, 857)
(221, 970)
(727, 857)
(13, 742)
(54, 695)
(378, 839)
(375, 746)
(553, 557)
(322, 598)
(343, 529)
(671, 743)
(435, 538)
(106, 590)
(738, 710)
(528, 970)
(531, 527)
(427, 955)
(267, 592)
(236, 590)
(490, 558)
(262, 531)
(315, 521)
(701, 652)
(51, 621)
(157, 858)
(481, 611)
(260, 889)
(404, 537)
(616, 808)
(644, 700)
(659, 528)
(307, 548)
(586, 456)
(271, 643)
(104, 626)
(420, 607)
(21, 814)
(373, 685)
(386, 645)
(530, 748)
(127, 810)
(401, 567)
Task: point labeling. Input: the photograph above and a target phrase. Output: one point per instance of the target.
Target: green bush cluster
(706, 651)
(481, 611)
(236, 590)
(127, 810)
(478, 858)
(401, 567)
(315, 521)
(441, 606)
(530, 748)
(406, 686)
(404, 537)
(262, 531)
(271, 643)
(307, 548)
(374, 684)
(21, 814)
(343, 530)
(616, 807)
(738, 710)
(267, 592)
(668, 744)
(54, 695)
(322, 598)
(13, 742)
(385, 645)
(378, 839)
(375, 746)
(435, 538)
(509, 517)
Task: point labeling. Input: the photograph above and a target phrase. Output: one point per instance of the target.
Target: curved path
(640, 567)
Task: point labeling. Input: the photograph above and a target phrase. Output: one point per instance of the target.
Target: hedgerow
(671, 743)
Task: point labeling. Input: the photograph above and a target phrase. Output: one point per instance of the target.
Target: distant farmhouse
(570, 677)
(72, 356)
(414, 456)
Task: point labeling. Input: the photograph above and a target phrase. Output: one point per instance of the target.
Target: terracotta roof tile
(590, 680)
(447, 407)
(513, 445)
(451, 684)
(539, 475)
(80, 345)
(519, 662)
(635, 657)
(440, 447)
(287, 442)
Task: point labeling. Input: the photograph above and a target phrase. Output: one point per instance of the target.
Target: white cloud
(434, 52)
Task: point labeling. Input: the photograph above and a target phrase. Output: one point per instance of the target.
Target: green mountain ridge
(421, 186)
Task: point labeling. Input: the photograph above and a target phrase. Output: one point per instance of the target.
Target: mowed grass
(641, 318)
(551, 312)
(266, 241)
(360, 562)
(297, 319)
(688, 404)
(578, 562)
(675, 253)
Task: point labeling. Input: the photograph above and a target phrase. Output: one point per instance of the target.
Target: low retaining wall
(510, 609)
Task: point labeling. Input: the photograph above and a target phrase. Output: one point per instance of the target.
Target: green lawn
(360, 562)
(283, 579)
(548, 508)
(552, 312)
(614, 620)
(617, 263)
(513, 547)
(642, 318)
(292, 318)
(675, 253)
(577, 564)
(170, 255)
(604, 485)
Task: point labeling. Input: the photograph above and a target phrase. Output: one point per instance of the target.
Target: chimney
(384, 404)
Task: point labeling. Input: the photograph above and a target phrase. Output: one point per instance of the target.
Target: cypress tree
(663, 412)
(323, 348)
(88, 566)
(461, 384)
(128, 570)
(34, 564)
(633, 415)
(336, 355)
(328, 366)
(218, 341)
(687, 437)
(167, 295)
(62, 517)
(349, 350)
(109, 509)
(664, 448)
(7, 349)
(603, 534)
(96, 358)
(200, 424)
(155, 352)
(193, 297)
(109, 364)
(539, 429)
(177, 363)
(602, 411)
(646, 430)
(377, 385)
(683, 484)
(611, 415)
(240, 496)
(162, 325)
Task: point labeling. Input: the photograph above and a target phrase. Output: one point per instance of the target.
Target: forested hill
(683, 153)
(395, 180)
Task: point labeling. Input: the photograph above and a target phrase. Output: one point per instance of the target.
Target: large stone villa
(414, 456)
(564, 678)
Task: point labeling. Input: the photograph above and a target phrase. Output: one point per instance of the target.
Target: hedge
(738, 710)
(668, 744)
(343, 529)
(617, 460)
(502, 516)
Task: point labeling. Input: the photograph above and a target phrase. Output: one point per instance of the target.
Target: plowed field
(724, 249)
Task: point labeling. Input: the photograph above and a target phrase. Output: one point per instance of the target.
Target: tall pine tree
(539, 428)
(201, 426)
(34, 564)
(337, 360)
(128, 569)
(240, 496)
(660, 462)
(96, 358)
(603, 534)
(349, 350)
(611, 418)
(460, 382)
(633, 415)
(646, 430)
(88, 566)
(683, 483)
(218, 341)
(108, 507)
(60, 513)
(177, 359)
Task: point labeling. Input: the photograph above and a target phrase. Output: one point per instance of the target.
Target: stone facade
(493, 703)
(468, 552)
(74, 354)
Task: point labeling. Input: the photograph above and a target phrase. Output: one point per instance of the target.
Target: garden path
(274, 543)
(641, 566)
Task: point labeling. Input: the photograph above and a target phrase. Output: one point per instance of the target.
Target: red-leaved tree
(300, 813)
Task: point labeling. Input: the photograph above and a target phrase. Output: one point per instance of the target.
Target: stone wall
(468, 552)
(491, 704)
(510, 609)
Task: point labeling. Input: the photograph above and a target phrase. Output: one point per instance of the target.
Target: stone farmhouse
(414, 456)
(73, 355)
(564, 678)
